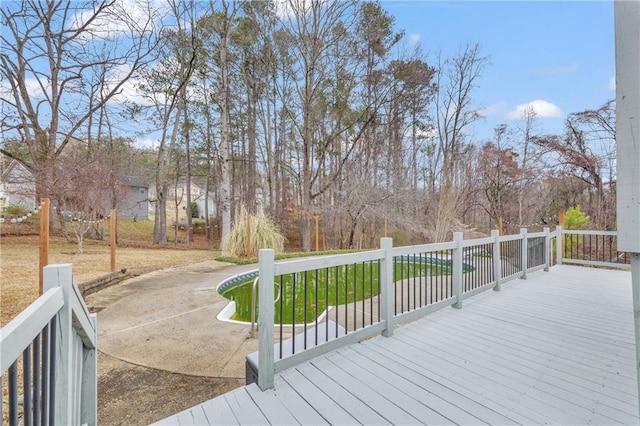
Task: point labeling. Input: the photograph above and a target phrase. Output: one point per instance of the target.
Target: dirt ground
(132, 395)
(128, 394)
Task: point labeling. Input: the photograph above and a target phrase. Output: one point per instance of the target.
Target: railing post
(89, 400)
(386, 286)
(266, 361)
(61, 276)
(524, 253)
(497, 263)
(456, 275)
(559, 245)
(547, 251)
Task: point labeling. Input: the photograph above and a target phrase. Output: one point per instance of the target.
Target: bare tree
(456, 78)
(48, 51)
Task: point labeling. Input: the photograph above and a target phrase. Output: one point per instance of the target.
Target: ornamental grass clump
(263, 233)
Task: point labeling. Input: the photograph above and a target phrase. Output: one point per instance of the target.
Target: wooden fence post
(456, 274)
(385, 227)
(317, 234)
(497, 262)
(248, 244)
(266, 366)
(500, 227)
(44, 241)
(112, 238)
(386, 286)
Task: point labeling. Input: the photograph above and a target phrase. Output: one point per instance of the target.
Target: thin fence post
(317, 233)
(44, 241)
(112, 237)
(266, 366)
(387, 285)
(497, 263)
(547, 250)
(248, 244)
(456, 274)
(559, 244)
(61, 276)
(524, 252)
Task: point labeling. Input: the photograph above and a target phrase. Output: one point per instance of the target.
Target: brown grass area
(19, 260)
(19, 265)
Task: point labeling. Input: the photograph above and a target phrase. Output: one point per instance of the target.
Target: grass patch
(306, 295)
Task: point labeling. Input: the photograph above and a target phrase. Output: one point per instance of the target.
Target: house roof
(133, 181)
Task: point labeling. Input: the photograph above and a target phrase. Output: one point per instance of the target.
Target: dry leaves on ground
(19, 258)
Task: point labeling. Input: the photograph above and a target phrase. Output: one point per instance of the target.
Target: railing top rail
(478, 241)
(311, 263)
(537, 235)
(513, 237)
(589, 232)
(83, 323)
(422, 248)
(20, 332)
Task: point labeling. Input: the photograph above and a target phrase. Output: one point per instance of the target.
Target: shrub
(15, 211)
(575, 218)
(264, 234)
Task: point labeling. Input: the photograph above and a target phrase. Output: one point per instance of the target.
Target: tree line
(302, 108)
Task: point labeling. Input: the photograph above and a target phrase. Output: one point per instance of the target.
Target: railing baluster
(346, 298)
(337, 281)
(26, 386)
(36, 380)
(13, 394)
(52, 371)
(371, 280)
(304, 314)
(326, 302)
(281, 314)
(363, 294)
(317, 302)
(355, 296)
(293, 310)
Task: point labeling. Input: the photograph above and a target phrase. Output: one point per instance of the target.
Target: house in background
(133, 202)
(178, 194)
(17, 186)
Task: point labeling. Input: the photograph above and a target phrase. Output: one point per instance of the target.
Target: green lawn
(333, 286)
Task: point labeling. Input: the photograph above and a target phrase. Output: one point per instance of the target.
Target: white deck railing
(55, 339)
(472, 266)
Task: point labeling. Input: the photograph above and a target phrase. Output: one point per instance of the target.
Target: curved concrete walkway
(167, 320)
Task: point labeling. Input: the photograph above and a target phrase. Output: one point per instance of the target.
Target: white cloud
(612, 83)
(110, 22)
(492, 109)
(33, 87)
(543, 109)
(146, 143)
(414, 38)
(283, 9)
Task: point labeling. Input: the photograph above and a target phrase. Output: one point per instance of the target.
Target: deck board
(557, 348)
(272, 409)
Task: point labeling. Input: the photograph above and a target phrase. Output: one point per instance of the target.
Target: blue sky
(561, 53)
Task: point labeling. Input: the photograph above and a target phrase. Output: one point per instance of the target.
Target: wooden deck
(557, 348)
